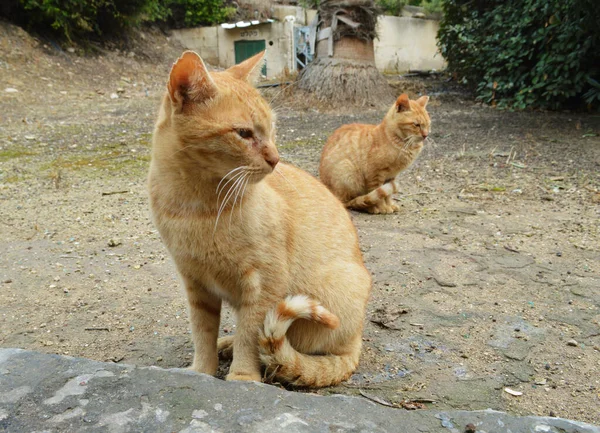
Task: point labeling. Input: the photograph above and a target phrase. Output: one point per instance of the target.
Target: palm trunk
(348, 74)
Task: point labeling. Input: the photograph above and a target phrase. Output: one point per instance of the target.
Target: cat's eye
(418, 125)
(244, 133)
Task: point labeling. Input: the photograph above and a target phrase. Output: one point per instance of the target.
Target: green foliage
(525, 53)
(192, 13)
(432, 6)
(392, 7)
(86, 18)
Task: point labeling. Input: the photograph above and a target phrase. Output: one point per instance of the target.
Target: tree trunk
(349, 76)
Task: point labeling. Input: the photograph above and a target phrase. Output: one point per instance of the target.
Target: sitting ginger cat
(278, 247)
(360, 162)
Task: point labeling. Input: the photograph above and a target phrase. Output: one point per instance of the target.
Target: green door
(246, 49)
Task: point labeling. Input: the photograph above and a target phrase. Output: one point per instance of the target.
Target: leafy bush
(192, 13)
(432, 6)
(85, 18)
(392, 7)
(525, 53)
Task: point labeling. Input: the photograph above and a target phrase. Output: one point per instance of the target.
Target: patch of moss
(11, 179)
(305, 142)
(114, 160)
(16, 152)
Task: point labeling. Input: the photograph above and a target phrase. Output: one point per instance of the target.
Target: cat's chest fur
(388, 159)
(230, 257)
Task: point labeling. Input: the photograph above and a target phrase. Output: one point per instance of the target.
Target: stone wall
(407, 43)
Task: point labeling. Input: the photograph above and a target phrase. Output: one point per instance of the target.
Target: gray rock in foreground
(49, 393)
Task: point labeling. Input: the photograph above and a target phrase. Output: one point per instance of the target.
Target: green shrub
(192, 13)
(525, 53)
(76, 19)
(392, 7)
(85, 19)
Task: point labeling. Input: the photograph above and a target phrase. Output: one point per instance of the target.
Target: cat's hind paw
(225, 347)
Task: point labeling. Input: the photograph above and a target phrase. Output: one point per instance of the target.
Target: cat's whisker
(286, 179)
(181, 150)
(431, 142)
(228, 174)
(233, 181)
(227, 197)
(239, 187)
(244, 192)
(221, 189)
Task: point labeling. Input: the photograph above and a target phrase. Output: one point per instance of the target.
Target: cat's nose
(271, 156)
(272, 161)
(424, 134)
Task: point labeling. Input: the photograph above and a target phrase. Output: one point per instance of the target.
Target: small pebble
(572, 343)
(559, 254)
(470, 428)
(114, 242)
(7, 281)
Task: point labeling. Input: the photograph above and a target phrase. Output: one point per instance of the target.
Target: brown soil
(488, 278)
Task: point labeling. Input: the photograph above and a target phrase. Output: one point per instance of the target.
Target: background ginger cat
(278, 247)
(360, 162)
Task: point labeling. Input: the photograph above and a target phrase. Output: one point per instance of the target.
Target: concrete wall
(407, 43)
(303, 16)
(203, 40)
(216, 44)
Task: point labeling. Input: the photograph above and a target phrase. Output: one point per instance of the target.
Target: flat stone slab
(51, 393)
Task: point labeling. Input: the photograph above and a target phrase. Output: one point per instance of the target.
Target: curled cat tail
(375, 196)
(286, 364)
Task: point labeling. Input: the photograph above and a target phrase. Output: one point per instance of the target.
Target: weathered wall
(203, 40)
(404, 43)
(407, 43)
(216, 44)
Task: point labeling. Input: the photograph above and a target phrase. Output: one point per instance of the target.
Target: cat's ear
(249, 69)
(190, 81)
(423, 100)
(402, 103)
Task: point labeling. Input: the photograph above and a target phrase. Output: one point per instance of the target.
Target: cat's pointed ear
(190, 81)
(249, 69)
(402, 103)
(423, 100)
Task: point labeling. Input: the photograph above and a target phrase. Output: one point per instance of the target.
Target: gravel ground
(488, 279)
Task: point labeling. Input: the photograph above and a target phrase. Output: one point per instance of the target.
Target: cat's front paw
(380, 209)
(243, 376)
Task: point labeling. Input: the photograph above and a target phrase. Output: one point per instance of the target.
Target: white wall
(216, 44)
(404, 43)
(407, 43)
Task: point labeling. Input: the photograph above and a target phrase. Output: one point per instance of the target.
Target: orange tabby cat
(278, 247)
(360, 162)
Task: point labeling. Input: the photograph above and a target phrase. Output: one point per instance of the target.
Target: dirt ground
(488, 279)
